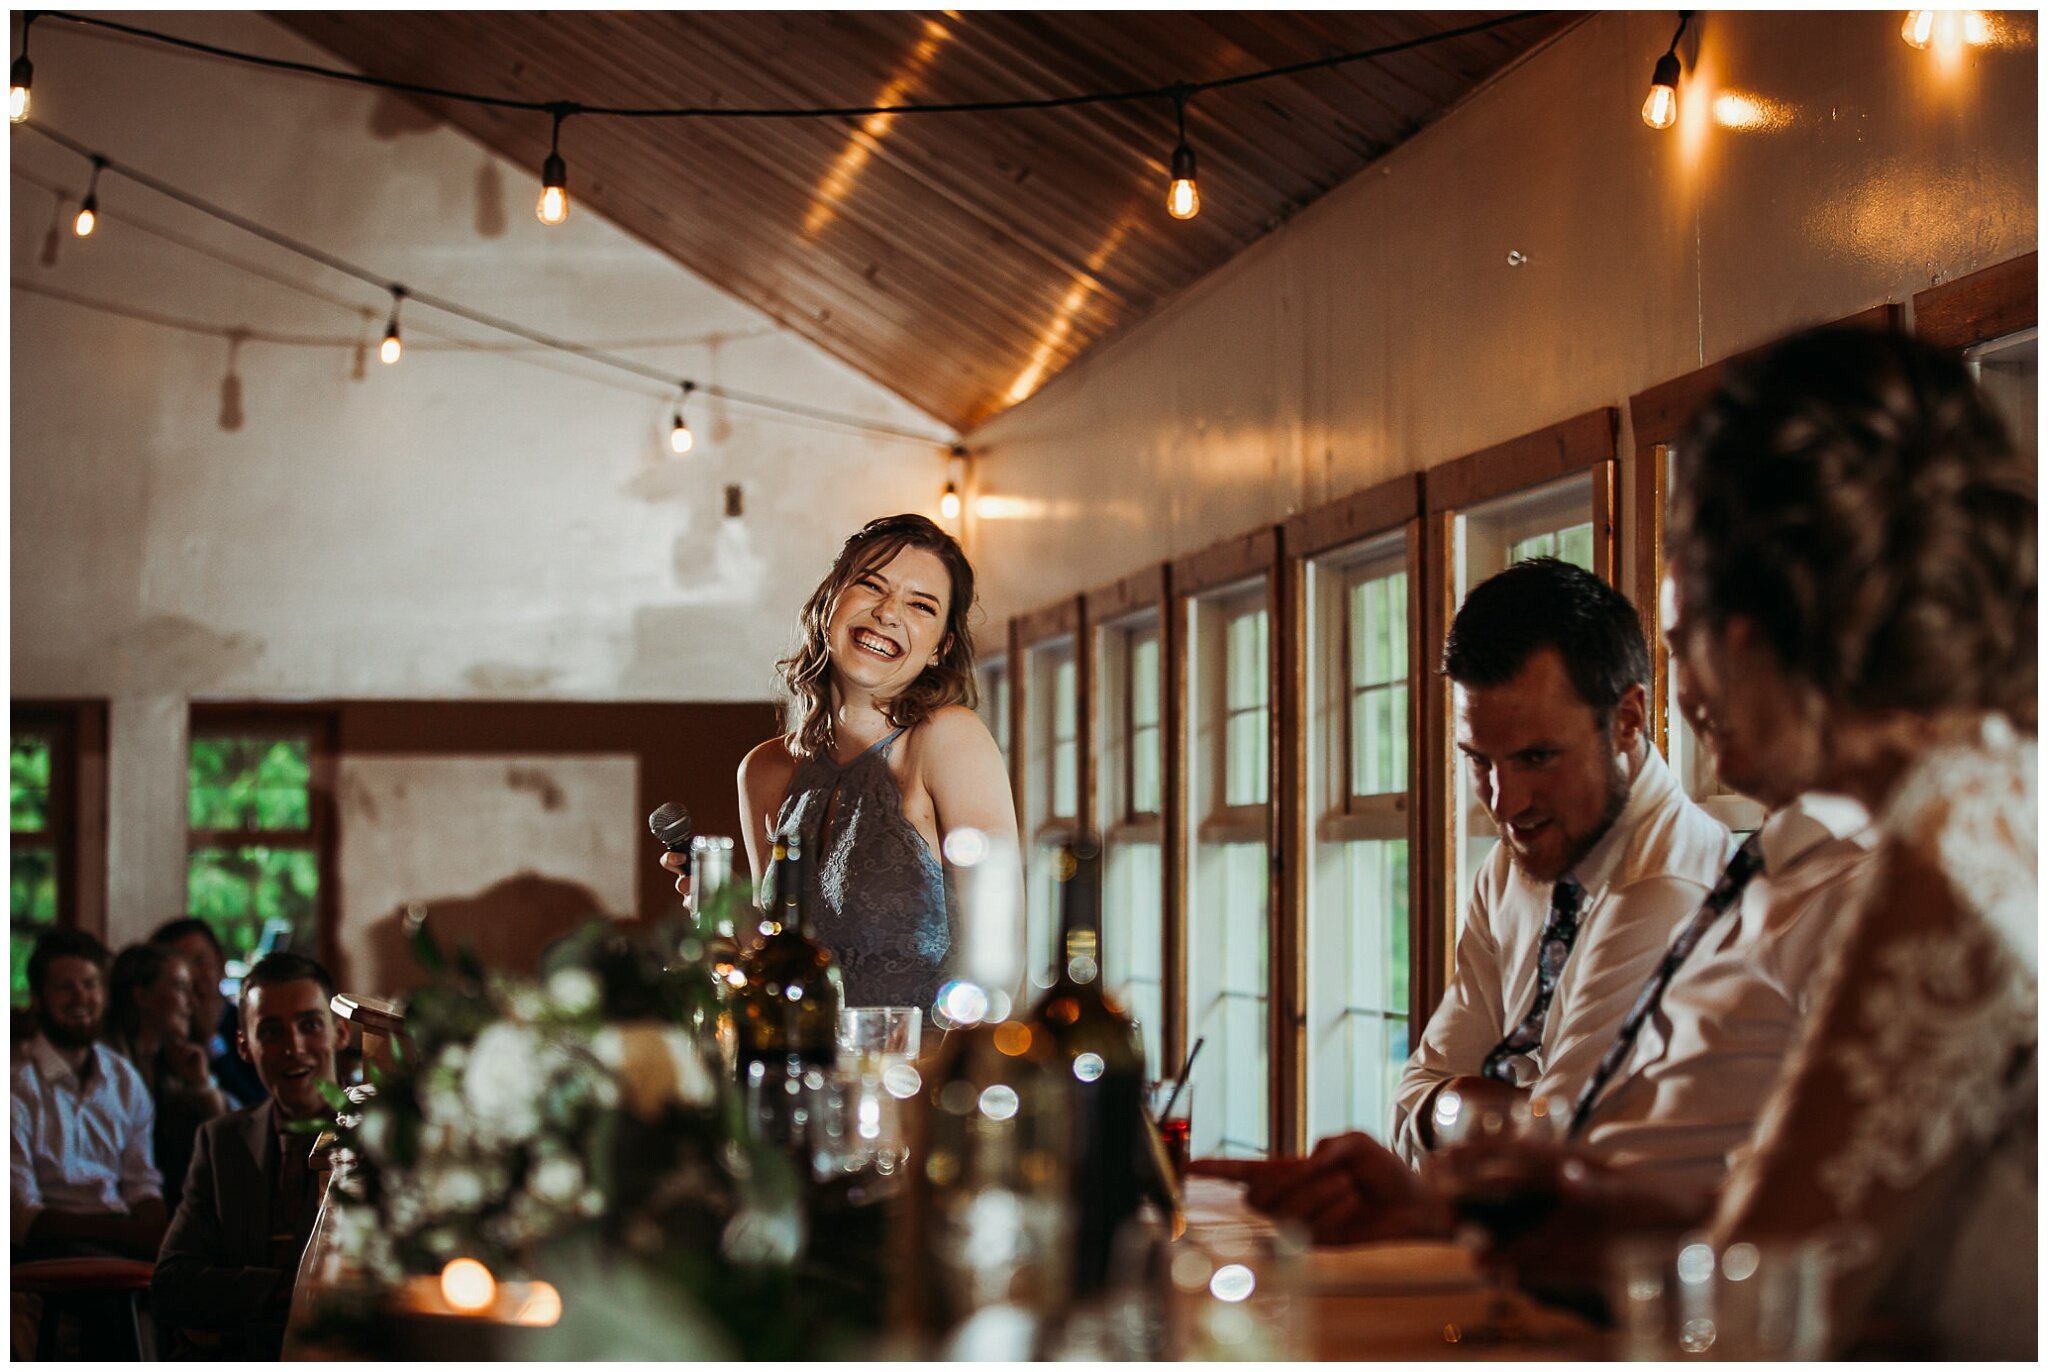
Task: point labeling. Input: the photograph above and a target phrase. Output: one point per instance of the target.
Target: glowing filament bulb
(467, 1285)
(1660, 107)
(554, 191)
(949, 502)
(680, 439)
(1183, 198)
(17, 90)
(88, 216)
(390, 349)
(1918, 30)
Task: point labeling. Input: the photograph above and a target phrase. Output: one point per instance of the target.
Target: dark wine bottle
(786, 1009)
(1102, 1069)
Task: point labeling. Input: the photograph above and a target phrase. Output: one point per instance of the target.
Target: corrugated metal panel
(960, 260)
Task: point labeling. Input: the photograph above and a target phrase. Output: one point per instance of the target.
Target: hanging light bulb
(554, 175)
(680, 439)
(1918, 30)
(89, 208)
(1660, 107)
(949, 502)
(389, 351)
(1183, 198)
(19, 76)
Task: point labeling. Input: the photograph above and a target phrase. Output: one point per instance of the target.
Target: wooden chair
(85, 1287)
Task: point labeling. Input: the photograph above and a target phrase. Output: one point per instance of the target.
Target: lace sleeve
(1920, 1050)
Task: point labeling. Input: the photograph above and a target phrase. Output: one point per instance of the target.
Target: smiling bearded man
(1601, 854)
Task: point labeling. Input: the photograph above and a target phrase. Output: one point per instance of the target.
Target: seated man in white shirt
(1685, 1092)
(1602, 856)
(83, 1182)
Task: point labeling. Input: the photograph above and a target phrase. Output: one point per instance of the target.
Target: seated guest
(213, 1017)
(149, 1015)
(233, 1249)
(1601, 854)
(83, 1182)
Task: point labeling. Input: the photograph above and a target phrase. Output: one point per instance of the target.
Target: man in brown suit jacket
(224, 1277)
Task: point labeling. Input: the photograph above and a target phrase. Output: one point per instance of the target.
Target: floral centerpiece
(580, 1129)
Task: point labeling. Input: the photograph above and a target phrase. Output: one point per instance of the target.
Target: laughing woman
(883, 758)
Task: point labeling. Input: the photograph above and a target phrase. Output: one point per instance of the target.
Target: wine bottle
(1101, 1063)
(981, 1249)
(786, 1006)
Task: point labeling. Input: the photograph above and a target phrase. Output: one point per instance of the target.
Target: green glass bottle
(786, 1007)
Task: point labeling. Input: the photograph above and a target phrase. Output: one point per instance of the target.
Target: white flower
(558, 1180)
(458, 1189)
(524, 1003)
(657, 1066)
(502, 1085)
(374, 1137)
(574, 990)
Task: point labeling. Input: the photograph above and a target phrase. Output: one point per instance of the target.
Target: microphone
(670, 825)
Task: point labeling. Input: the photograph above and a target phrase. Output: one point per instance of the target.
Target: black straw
(1181, 1082)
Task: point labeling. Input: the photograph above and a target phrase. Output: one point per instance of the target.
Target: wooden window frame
(322, 835)
(1118, 607)
(2000, 299)
(1061, 619)
(1657, 416)
(77, 835)
(1189, 579)
(1584, 444)
(1307, 537)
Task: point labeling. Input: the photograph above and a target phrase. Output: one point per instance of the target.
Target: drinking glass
(1235, 1293)
(1738, 1303)
(1495, 1159)
(1174, 1115)
(878, 1047)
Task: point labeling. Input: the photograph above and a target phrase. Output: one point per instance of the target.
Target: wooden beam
(1981, 306)
(1569, 446)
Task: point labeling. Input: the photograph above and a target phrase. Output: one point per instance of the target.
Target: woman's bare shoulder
(951, 725)
(766, 763)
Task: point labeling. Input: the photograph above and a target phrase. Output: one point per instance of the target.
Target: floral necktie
(1558, 932)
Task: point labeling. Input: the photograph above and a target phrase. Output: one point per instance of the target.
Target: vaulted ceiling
(961, 260)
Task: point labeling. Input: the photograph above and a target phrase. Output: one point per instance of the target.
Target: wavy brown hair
(1852, 493)
(807, 672)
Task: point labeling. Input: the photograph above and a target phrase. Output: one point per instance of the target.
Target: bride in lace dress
(1852, 496)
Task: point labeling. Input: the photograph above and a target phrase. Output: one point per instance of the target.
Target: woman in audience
(1849, 512)
(884, 757)
(149, 1008)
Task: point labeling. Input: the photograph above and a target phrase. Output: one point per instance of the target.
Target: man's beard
(1617, 801)
(63, 1035)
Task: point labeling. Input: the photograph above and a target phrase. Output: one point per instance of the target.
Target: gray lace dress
(880, 897)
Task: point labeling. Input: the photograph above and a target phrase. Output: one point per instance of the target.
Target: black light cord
(474, 316)
(1684, 18)
(1052, 102)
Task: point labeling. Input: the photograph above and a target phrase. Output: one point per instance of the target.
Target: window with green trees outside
(254, 859)
(32, 855)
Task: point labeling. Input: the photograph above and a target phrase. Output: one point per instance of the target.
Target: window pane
(29, 777)
(33, 890)
(1398, 774)
(1397, 626)
(1227, 998)
(1246, 684)
(250, 783)
(1358, 995)
(1575, 545)
(1361, 632)
(1064, 700)
(1244, 767)
(1066, 780)
(240, 890)
(1131, 948)
(1145, 771)
(20, 945)
(1145, 681)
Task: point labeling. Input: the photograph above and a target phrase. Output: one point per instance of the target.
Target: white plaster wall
(465, 524)
(1383, 331)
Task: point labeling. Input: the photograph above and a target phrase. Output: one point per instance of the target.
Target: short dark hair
(1853, 493)
(178, 930)
(275, 969)
(63, 943)
(1544, 603)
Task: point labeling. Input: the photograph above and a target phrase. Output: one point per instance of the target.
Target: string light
(1918, 30)
(20, 75)
(680, 439)
(389, 351)
(1183, 198)
(949, 502)
(554, 174)
(1660, 107)
(1947, 29)
(89, 208)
